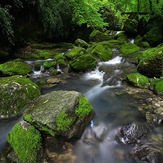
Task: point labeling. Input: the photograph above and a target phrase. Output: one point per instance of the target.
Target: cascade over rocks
(15, 93)
(60, 113)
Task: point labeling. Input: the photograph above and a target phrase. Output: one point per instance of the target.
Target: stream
(97, 143)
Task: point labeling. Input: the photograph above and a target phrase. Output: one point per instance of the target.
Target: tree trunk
(150, 3)
(138, 9)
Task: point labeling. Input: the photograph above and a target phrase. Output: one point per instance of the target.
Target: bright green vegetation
(27, 117)
(58, 56)
(81, 60)
(128, 48)
(15, 93)
(157, 86)
(121, 37)
(84, 107)
(102, 52)
(144, 44)
(25, 142)
(49, 64)
(81, 43)
(63, 121)
(151, 62)
(44, 54)
(138, 80)
(49, 131)
(138, 39)
(97, 36)
(111, 43)
(15, 68)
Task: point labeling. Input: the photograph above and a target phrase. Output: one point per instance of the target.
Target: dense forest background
(65, 20)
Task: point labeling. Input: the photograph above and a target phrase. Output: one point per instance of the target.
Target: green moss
(63, 121)
(81, 43)
(111, 43)
(98, 36)
(138, 80)
(15, 93)
(83, 63)
(49, 64)
(151, 62)
(27, 117)
(44, 54)
(157, 86)
(74, 53)
(102, 52)
(121, 37)
(58, 56)
(30, 55)
(53, 71)
(26, 143)
(128, 48)
(15, 68)
(48, 130)
(84, 107)
(144, 44)
(138, 39)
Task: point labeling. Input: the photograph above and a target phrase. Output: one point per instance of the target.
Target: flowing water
(97, 143)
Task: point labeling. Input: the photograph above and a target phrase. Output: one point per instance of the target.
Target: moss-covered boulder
(138, 80)
(26, 142)
(97, 36)
(81, 43)
(80, 60)
(112, 43)
(121, 36)
(157, 86)
(60, 113)
(138, 39)
(49, 64)
(128, 48)
(144, 44)
(151, 62)
(102, 52)
(15, 93)
(14, 68)
(58, 56)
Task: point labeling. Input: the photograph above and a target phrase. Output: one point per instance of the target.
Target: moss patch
(157, 86)
(49, 64)
(81, 43)
(144, 44)
(102, 52)
(15, 68)
(74, 53)
(25, 142)
(128, 48)
(84, 107)
(15, 93)
(138, 80)
(58, 56)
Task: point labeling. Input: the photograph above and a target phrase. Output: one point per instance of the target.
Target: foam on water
(31, 62)
(114, 61)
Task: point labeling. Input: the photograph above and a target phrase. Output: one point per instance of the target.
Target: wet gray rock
(148, 153)
(132, 133)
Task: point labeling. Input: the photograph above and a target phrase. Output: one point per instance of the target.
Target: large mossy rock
(151, 62)
(26, 142)
(97, 36)
(138, 80)
(102, 52)
(128, 48)
(15, 68)
(121, 37)
(80, 60)
(157, 86)
(81, 43)
(15, 93)
(60, 113)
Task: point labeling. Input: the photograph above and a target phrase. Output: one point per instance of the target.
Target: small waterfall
(58, 68)
(38, 73)
(31, 62)
(131, 41)
(98, 75)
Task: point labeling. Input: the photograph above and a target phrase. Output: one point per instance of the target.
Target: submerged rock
(148, 153)
(132, 134)
(151, 62)
(14, 68)
(26, 142)
(138, 80)
(81, 60)
(60, 113)
(15, 93)
(128, 48)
